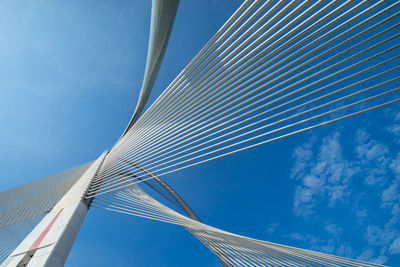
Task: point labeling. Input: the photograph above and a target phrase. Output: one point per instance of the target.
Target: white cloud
(303, 154)
(325, 176)
(361, 214)
(391, 193)
(368, 255)
(312, 239)
(375, 235)
(395, 128)
(333, 229)
(395, 246)
(345, 250)
(313, 182)
(302, 201)
(272, 227)
(362, 182)
(395, 166)
(316, 243)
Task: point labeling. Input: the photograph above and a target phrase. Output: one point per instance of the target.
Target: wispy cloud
(272, 227)
(336, 183)
(395, 127)
(322, 177)
(395, 246)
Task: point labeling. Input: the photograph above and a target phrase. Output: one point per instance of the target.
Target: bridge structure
(274, 69)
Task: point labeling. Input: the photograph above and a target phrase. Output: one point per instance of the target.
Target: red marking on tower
(36, 244)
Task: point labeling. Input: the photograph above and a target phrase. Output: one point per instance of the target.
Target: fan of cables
(274, 69)
(231, 249)
(23, 207)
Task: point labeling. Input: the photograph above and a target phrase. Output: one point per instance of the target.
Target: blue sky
(69, 81)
